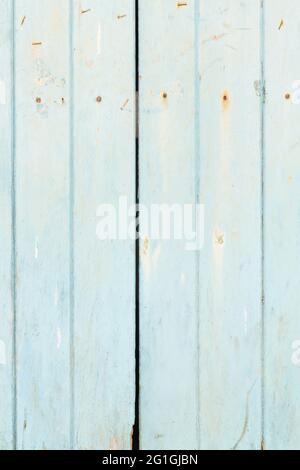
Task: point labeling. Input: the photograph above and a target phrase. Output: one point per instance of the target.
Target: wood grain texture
(42, 223)
(282, 261)
(230, 188)
(104, 271)
(6, 230)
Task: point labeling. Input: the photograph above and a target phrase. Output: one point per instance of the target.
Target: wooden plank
(187, 355)
(230, 262)
(6, 230)
(104, 271)
(42, 221)
(169, 390)
(282, 259)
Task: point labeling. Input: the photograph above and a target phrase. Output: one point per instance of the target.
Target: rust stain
(281, 24)
(181, 4)
(263, 445)
(225, 99)
(37, 43)
(216, 37)
(287, 96)
(38, 100)
(23, 20)
(99, 99)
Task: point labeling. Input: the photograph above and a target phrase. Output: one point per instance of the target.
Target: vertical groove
(136, 428)
(13, 215)
(71, 220)
(262, 144)
(197, 201)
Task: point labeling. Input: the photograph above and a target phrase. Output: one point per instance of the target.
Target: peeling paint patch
(2, 353)
(2, 92)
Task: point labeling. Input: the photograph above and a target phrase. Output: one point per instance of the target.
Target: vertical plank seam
(262, 143)
(197, 200)
(13, 228)
(71, 221)
(136, 428)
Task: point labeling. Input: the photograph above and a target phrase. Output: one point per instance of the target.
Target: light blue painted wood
(42, 224)
(6, 231)
(282, 259)
(169, 403)
(230, 262)
(200, 365)
(104, 271)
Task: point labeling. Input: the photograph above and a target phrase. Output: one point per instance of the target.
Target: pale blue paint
(282, 255)
(6, 230)
(217, 327)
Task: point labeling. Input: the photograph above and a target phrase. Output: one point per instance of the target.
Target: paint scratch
(36, 248)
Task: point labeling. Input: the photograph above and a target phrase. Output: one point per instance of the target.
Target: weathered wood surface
(74, 325)
(218, 125)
